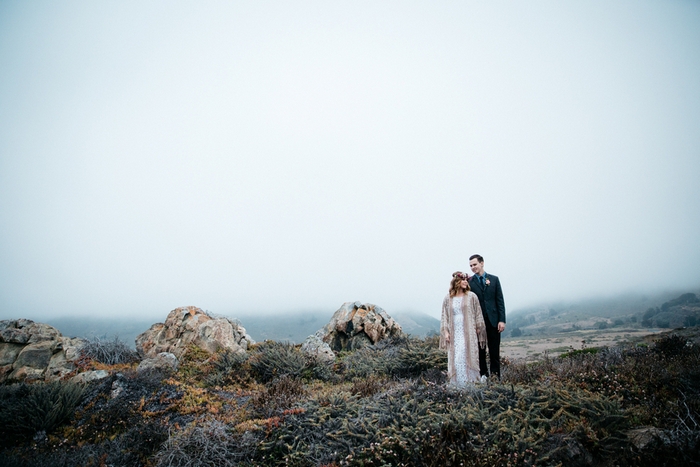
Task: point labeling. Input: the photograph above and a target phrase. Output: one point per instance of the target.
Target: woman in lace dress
(462, 331)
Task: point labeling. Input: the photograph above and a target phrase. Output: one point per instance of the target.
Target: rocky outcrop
(356, 325)
(32, 351)
(190, 325)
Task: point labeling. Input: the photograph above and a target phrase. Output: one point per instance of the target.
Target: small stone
(162, 361)
(88, 376)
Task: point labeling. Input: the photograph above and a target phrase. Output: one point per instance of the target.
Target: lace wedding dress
(465, 370)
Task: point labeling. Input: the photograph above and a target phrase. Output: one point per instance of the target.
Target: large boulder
(32, 351)
(190, 325)
(356, 325)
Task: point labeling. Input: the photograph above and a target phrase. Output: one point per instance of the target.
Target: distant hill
(417, 323)
(292, 327)
(665, 310)
(126, 329)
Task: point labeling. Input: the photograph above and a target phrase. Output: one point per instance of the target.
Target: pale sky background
(278, 156)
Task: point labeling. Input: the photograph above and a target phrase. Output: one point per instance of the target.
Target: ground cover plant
(384, 405)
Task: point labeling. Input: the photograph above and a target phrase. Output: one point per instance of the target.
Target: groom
(487, 288)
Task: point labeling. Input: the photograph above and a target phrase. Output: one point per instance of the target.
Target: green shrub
(578, 352)
(418, 356)
(415, 424)
(279, 395)
(272, 359)
(379, 359)
(672, 346)
(229, 367)
(367, 387)
(26, 409)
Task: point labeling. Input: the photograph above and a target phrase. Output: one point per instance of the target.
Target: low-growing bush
(229, 368)
(417, 356)
(110, 352)
(131, 449)
(416, 424)
(26, 409)
(367, 387)
(279, 395)
(402, 357)
(673, 346)
(207, 443)
(270, 360)
(578, 352)
(379, 359)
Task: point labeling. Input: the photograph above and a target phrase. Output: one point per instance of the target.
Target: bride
(462, 331)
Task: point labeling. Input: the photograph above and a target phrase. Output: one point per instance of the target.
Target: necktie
(482, 279)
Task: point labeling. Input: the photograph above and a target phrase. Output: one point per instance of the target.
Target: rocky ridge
(32, 351)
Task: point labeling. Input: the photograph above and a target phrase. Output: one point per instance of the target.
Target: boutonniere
(488, 282)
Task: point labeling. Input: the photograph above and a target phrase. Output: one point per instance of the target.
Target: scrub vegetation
(386, 405)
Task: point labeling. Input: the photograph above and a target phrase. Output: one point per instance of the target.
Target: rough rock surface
(356, 325)
(314, 345)
(32, 351)
(642, 436)
(91, 375)
(162, 361)
(190, 325)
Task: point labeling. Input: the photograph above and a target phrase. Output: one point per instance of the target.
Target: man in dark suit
(487, 288)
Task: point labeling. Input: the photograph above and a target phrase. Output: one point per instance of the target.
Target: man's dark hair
(479, 258)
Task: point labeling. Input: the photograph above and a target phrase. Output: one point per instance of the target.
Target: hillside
(626, 312)
(553, 330)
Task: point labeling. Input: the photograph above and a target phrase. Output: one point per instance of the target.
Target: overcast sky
(278, 156)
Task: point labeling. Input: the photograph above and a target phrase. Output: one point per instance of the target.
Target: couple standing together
(473, 318)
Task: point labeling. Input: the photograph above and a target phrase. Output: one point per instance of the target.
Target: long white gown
(464, 373)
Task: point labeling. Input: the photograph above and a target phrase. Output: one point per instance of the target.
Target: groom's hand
(501, 326)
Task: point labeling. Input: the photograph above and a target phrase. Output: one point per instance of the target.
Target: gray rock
(30, 351)
(118, 387)
(35, 355)
(88, 376)
(162, 361)
(9, 352)
(642, 436)
(314, 345)
(355, 325)
(26, 374)
(190, 325)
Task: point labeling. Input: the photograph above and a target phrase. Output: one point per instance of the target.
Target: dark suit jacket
(490, 298)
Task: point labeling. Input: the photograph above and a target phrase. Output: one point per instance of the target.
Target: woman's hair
(455, 284)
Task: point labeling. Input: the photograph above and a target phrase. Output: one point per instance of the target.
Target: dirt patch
(534, 347)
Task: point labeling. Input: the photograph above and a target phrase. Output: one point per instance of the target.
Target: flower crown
(460, 275)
